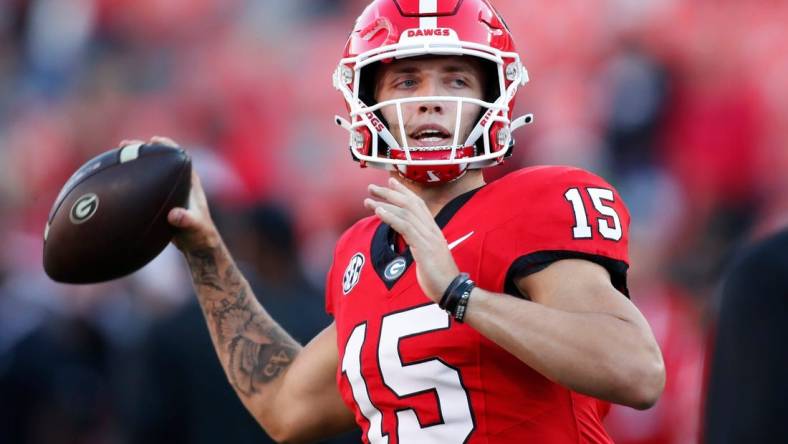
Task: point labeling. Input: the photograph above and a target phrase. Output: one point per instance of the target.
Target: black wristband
(452, 288)
(455, 298)
(465, 295)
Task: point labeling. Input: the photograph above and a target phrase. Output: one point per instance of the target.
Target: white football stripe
(426, 7)
(130, 152)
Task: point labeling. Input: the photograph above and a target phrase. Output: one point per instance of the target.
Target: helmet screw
(358, 140)
(511, 71)
(503, 135)
(347, 74)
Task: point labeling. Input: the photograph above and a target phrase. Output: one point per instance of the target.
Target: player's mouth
(430, 135)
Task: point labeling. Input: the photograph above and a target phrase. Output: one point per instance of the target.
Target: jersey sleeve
(332, 280)
(335, 273)
(566, 213)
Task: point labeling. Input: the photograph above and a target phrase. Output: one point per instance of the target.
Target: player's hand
(407, 213)
(196, 229)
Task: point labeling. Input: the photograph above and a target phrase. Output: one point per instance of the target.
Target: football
(110, 218)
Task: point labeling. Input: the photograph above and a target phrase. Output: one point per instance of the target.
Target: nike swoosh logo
(458, 241)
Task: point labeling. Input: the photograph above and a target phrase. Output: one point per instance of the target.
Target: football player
(463, 311)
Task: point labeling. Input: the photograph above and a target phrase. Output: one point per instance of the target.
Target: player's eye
(458, 82)
(405, 84)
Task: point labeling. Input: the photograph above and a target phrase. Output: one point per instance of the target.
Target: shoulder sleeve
(331, 278)
(567, 213)
(344, 244)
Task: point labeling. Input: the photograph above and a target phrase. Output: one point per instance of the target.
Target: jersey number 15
(408, 379)
(582, 229)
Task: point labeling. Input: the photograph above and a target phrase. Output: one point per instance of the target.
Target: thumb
(181, 218)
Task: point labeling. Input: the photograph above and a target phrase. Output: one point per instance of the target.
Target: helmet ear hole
(492, 89)
(491, 93)
(368, 79)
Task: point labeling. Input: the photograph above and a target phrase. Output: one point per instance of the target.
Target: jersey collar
(383, 251)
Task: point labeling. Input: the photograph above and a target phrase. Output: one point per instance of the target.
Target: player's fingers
(403, 197)
(390, 196)
(402, 213)
(125, 142)
(402, 221)
(162, 140)
(412, 202)
(196, 185)
(188, 219)
(387, 211)
(429, 251)
(196, 182)
(373, 204)
(180, 218)
(400, 224)
(197, 200)
(425, 226)
(191, 229)
(400, 187)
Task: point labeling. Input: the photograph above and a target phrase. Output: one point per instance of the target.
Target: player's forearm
(592, 353)
(253, 349)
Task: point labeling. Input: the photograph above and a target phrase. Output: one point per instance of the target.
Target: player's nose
(431, 107)
(430, 88)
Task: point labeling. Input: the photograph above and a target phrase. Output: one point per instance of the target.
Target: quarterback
(464, 312)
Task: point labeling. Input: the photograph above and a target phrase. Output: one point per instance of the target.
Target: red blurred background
(682, 105)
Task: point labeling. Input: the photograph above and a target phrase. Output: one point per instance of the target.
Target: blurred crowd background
(681, 104)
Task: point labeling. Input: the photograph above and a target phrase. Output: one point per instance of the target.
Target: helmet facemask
(389, 143)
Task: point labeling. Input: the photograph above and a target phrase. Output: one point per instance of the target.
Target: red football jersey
(411, 373)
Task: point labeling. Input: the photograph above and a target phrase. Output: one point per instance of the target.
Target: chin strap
(521, 121)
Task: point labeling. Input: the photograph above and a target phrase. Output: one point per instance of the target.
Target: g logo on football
(84, 208)
(352, 273)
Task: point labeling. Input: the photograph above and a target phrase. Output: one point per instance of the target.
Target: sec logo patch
(352, 273)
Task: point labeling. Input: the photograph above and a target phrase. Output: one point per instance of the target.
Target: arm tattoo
(254, 350)
(204, 269)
